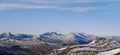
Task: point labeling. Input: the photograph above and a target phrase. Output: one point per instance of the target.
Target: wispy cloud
(55, 4)
(8, 5)
(78, 9)
(67, 1)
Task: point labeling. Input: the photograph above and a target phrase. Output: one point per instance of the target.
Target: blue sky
(99, 17)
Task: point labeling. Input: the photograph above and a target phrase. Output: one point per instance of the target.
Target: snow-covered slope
(111, 52)
(94, 48)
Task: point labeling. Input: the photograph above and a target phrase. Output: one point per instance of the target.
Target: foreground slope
(97, 47)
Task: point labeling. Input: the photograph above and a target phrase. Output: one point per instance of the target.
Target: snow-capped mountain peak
(6, 35)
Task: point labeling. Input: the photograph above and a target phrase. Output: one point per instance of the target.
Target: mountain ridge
(47, 43)
(54, 37)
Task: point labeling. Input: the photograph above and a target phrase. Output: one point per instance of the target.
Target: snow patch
(112, 52)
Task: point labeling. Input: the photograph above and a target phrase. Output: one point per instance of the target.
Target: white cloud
(55, 5)
(8, 6)
(79, 9)
(67, 1)
(43, 1)
(90, 1)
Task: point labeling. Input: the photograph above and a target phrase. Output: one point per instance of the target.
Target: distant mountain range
(45, 43)
(54, 37)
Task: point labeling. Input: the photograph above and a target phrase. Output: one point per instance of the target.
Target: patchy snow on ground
(112, 52)
(62, 48)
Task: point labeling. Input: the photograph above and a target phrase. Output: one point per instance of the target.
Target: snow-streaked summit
(71, 38)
